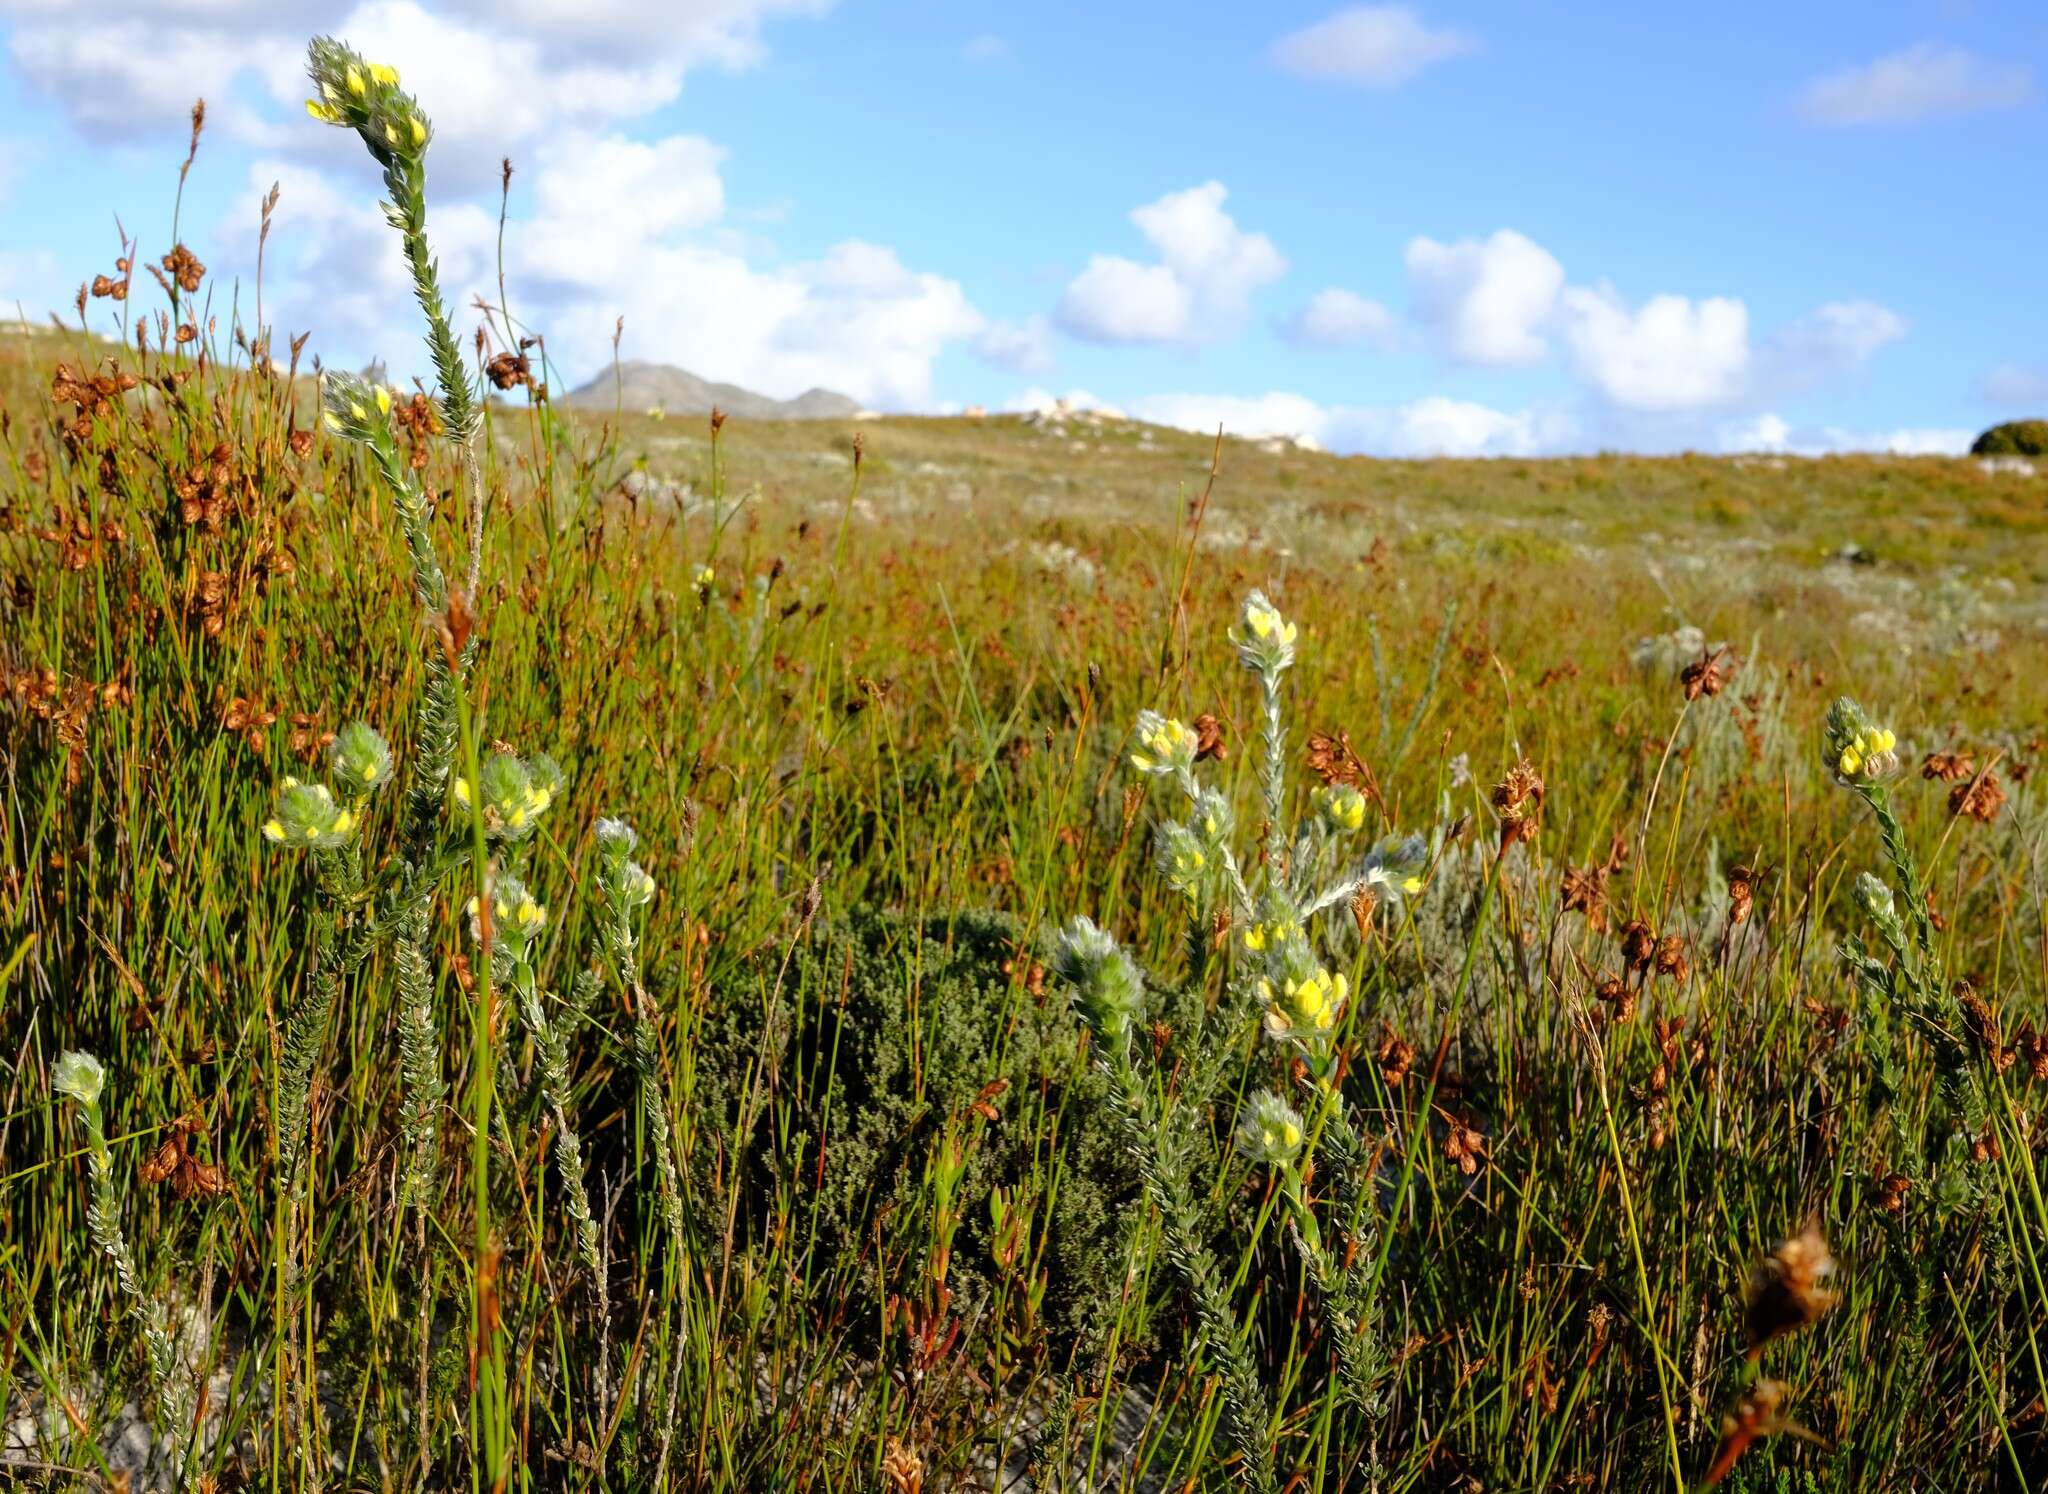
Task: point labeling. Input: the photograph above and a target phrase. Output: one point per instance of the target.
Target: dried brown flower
(1741, 893)
(1586, 892)
(1638, 946)
(1395, 1059)
(183, 266)
(902, 1469)
(1889, 1194)
(1464, 1146)
(1788, 1290)
(175, 1163)
(1708, 673)
(509, 370)
(1755, 1415)
(1332, 759)
(1209, 743)
(1947, 767)
(1981, 798)
(1670, 959)
(1618, 996)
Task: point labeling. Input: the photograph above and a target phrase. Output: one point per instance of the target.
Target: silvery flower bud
(1269, 1132)
(1106, 985)
(78, 1076)
(359, 758)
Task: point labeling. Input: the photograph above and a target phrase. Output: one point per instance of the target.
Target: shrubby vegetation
(527, 959)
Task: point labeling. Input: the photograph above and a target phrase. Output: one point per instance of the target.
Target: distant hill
(640, 387)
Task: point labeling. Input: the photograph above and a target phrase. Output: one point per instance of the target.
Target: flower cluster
(517, 918)
(1342, 806)
(1394, 866)
(1269, 1132)
(365, 97)
(307, 817)
(701, 581)
(1304, 1004)
(1264, 639)
(1165, 746)
(1183, 859)
(616, 842)
(513, 793)
(355, 407)
(1855, 749)
(360, 759)
(1106, 984)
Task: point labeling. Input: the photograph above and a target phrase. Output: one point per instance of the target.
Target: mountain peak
(640, 386)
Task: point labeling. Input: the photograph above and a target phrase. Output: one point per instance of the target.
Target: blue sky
(1473, 228)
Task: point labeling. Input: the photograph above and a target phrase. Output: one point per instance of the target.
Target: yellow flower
(384, 73)
(383, 399)
(462, 792)
(355, 82)
(273, 830)
(321, 112)
(1290, 1133)
(1412, 885)
(1255, 937)
(343, 822)
(419, 132)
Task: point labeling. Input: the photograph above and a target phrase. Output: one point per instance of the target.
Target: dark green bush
(2013, 438)
(884, 1031)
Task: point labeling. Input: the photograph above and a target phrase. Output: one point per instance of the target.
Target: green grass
(871, 771)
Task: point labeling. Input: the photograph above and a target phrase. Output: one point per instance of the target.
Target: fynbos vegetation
(528, 964)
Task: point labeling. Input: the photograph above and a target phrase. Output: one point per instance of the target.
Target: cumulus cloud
(1022, 347)
(1670, 353)
(607, 225)
(855, 319)
(1199, 287)
(1489, 298)
(1923, 82)
(500, 73)
(1378, 46)
(1341, 319)
(1770, 432)
(1433, 426)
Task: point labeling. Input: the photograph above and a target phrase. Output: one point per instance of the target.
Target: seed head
(1788, 1290)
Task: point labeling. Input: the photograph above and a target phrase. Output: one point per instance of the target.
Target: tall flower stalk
(1280, 985)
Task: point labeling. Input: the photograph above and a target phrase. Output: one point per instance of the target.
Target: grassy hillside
(867, 1207)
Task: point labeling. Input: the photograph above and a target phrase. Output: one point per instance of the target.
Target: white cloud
(1022, 347)
(1341, 319)
(1207, 270)
(497, 75)
(1773, 433)
(1671, 353)
(856, 319)
(1379, 46)
(1923, 82)
(1765, 432)
(1832, 340)
(1490, 297)
(2016, 386)
(1434, 426)
(1037, 401)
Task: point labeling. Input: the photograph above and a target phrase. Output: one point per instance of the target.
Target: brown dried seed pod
(1788, 1291)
